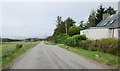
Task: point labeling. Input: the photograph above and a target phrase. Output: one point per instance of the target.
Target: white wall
(99, 33)
(117, 33)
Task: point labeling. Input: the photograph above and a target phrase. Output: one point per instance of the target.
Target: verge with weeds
(95, 55)
(11, 50)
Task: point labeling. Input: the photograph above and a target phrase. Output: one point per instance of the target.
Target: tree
(70, 22)
(81, 23)
(61, 28)
(92, 19)
(99, 14)
(96, 16)
(73, 30)
(61, 38)
(110, 10)
(59, 20)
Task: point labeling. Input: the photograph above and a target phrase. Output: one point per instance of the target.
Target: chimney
(105, 15)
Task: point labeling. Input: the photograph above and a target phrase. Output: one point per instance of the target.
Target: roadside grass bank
(11, 50)
(95, 55)
(0, 55)
(50, 43)
(101, 57)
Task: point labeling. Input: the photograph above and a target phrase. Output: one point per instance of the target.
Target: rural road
(52, 57)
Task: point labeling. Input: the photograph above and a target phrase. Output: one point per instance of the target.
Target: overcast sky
(38, 19)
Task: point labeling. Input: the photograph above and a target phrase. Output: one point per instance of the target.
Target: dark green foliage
(97, 16)
(28, 39)
(70, 42)
(73, 30)
(10, 40)
(109, 45)
(61, 28)
(88, 45)
(59, 20)
(92, 19)
(83, 44)
(50, 38)
(36, 39)
(70, 22)
(73, 41)
(81, 23)
(61, 38)
(110, 10)
(18, 46)
(119, 48)
(0, 39)
(32, 39)
(78, 38)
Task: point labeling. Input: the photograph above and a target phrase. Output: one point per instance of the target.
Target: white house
(109, 27)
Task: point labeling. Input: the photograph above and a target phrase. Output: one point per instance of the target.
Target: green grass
(0, 55)
(103, 57)
(10, 52)
(49, 43)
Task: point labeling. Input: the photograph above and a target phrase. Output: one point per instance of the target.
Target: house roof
(112, 21)
(100, 27)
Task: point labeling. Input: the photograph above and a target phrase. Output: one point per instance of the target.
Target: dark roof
(100, 27)
(111, 21)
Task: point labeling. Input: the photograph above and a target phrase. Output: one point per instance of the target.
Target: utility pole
(66, 27)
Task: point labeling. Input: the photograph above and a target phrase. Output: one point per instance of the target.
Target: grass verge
(10, 52)
(95, 55)
(0, 55)
(49, 43)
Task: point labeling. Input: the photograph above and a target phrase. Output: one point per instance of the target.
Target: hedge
(108, 45)
(61, 38)
(73, 41)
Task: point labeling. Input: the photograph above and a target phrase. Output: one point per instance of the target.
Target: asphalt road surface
(53, 57)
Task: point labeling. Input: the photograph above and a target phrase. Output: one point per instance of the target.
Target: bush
(49, 38)
(79, 37)
(18, 46)
(73, 30)
(61, 38)
(70, 42)
(83, 44)
(109, 45)
(74, 40)
(87, 44)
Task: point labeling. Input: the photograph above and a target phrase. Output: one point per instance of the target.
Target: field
(11, 50)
